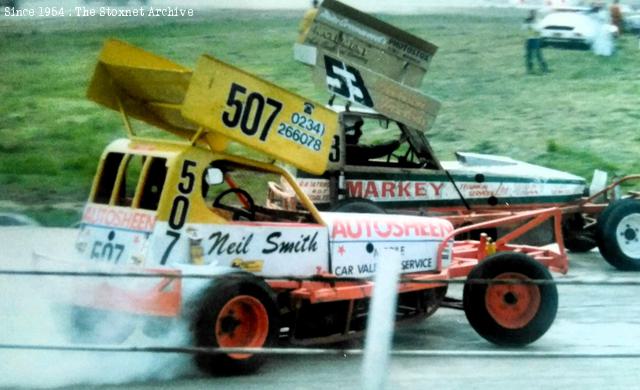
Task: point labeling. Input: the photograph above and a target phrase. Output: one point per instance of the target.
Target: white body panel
(507, 179)
(357, 238)
(268, 249)
(346, 246)
(492, 165)
(116, 235)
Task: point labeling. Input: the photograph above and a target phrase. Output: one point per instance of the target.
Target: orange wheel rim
(512, 306)
(243, 323)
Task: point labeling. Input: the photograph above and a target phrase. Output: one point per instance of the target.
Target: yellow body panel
(176, 153)
(260, 115)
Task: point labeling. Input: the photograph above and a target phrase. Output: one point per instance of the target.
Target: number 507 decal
(248, 114)
(237, 105)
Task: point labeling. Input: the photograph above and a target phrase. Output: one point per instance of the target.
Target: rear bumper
(126, 290)
(564, 41)
(161, 297)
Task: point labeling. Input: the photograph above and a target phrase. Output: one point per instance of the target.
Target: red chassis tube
(164, 298)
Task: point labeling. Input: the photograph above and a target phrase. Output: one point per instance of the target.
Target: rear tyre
(357, 205)
(618, 234)
(580, 243)
(576, 238)
(510, 314)
(237, 311)
(422, 303)
(432, 299)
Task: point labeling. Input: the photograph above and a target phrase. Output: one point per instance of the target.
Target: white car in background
(571, 27)
(631, 17)
(632, 23)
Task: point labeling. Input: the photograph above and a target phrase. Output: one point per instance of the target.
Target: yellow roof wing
(217, 101)
(371, 43)
(376, 91)
(369, 62)
(143, 85)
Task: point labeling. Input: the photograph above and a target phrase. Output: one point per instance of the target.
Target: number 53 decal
(345, 80)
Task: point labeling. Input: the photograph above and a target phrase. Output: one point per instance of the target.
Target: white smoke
(31, 313)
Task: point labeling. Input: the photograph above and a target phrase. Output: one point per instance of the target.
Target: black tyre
(576, 238)
(357, 205)
(618, 234)
(580, 243)
(236, 311)
(422, 303)
(510, 314)
(432, 299)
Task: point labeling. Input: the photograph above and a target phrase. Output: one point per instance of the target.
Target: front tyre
(237, 311)
(432, 300)
(580, 243)
(576, 238)
(357, 205)
(618, 234)
(510, 314)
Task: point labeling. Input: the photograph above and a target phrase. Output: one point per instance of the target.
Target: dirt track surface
(591, 319)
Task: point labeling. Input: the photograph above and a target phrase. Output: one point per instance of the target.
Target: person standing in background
(616, 16)
(533, 45)
(603, 42)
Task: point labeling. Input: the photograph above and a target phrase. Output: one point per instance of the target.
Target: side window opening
(375, 141)
(142, 174)
(153, 184)
(108, 177)
(372, 141)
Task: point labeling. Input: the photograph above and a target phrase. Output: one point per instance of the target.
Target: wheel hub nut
(630, 234)
(510, 298)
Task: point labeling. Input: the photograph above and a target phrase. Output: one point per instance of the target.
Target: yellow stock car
(244, 274)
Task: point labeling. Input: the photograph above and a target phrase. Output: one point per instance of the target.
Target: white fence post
(375, 365)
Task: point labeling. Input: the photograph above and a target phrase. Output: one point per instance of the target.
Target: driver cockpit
(239, 193)
(374, 140)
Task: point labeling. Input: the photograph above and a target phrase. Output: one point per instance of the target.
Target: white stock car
(576, 26)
